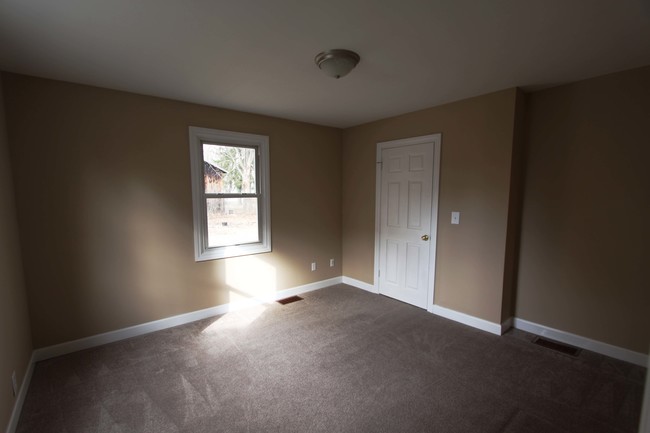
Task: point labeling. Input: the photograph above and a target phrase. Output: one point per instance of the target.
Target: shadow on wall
(138, 253)
(132, 243)
(125, 256)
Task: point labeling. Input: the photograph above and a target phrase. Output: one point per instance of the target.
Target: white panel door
(405, 222)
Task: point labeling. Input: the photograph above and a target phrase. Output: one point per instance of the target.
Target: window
(230, 193)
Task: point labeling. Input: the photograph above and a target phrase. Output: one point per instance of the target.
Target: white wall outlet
(14, 383)
(331, 263)
(313, 266)
(455, 217)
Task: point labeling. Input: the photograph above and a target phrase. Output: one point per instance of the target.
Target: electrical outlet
(14, 383)
(331, 263)
(313, 266)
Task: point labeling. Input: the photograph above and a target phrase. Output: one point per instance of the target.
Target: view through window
(231, 194)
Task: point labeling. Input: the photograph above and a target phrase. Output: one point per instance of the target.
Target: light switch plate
(455, 217)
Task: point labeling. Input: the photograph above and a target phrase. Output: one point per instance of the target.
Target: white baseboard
(359, 284)
(133, 331)
(474, 322)
(582, 342)
(20, 398)
(181, 319)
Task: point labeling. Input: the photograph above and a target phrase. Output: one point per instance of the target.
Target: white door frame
(436, 140)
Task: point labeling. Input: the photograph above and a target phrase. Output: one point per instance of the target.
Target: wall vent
(558, 347)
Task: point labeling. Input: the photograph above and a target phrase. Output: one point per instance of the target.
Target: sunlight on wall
(250, 278)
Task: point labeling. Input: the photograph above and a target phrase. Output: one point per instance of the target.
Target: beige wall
(104, 207)
(477, 150)
(15, 340)
(585, 245)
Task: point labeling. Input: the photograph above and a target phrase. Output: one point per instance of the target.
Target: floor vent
(289, 300)
(558, 347)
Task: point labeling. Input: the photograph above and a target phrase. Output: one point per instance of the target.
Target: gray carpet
(341, 360)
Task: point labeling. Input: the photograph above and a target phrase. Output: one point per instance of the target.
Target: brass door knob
(425, 237)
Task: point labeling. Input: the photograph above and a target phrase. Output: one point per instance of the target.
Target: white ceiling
(258, 55)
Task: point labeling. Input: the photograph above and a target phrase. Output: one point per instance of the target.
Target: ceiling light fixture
(337, 63)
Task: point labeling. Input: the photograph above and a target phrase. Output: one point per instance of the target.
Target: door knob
(425, 237)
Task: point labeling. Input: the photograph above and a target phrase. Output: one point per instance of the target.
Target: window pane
(229, 169)
(232, 221)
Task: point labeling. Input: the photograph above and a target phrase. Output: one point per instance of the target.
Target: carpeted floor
(341, 360)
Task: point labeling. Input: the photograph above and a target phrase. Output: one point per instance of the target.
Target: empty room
(344, 216)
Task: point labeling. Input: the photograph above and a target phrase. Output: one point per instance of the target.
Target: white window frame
(199, 136)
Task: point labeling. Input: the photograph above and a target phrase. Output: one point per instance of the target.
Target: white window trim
(261, 142)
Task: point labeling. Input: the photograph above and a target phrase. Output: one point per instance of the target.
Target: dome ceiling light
(337, 63)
